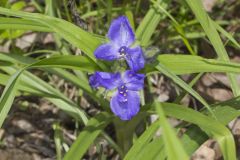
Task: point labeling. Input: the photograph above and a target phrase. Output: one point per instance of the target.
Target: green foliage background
(190, 24)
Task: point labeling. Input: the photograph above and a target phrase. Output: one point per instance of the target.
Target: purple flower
(126, 101)
(121, 38)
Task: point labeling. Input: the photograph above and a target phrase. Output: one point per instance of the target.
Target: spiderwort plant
(126, 101)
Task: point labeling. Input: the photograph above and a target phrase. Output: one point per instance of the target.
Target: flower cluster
(126, 101)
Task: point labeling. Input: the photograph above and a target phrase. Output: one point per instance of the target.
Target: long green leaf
(149, 23)
(88, 135)
(8, 95)
(87, 42)
(15, 59)
(141, 142)
(32, 87)
(154, 150)
(22, 24)
(173, 146)
(178, 27)
(36, 85)
(208, 124)
(5, 63)
(211, 32)
(95, 126)
(226, 34)
(68, 61)
(186, 64)
(178, 64)
(183, 85)
(194, 136)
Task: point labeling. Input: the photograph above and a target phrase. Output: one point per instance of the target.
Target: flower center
(123, 91)
(122, 50)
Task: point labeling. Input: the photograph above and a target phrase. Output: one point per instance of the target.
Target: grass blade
(22, 24)
(173, 146)
(58, 139)
(18, 59)
(87, 42)
(154, 150)
(142, 141)
(36, 85)
(149, 23)
(208, 124)
(211, 32)
(226, 34)
(187, 64)
(183, 85)
(88, 135)
(67, 61)
(177, 26)
(8, 95)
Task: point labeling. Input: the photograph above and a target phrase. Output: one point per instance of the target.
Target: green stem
(125, 131)
(124, 135)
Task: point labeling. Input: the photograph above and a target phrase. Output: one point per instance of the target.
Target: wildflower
(121, 38)
(126, 101)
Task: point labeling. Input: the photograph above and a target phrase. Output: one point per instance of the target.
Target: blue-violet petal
(127, 109)
(135, 58)
(120, 32)
(108, 51)
(133, 81)
(106, 80)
